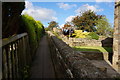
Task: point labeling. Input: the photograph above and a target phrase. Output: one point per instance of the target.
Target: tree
(52, 24)
(87, 21)
(104, 27)
(67, 25)
(11, 14)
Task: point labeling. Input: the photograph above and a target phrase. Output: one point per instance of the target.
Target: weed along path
(42, 66)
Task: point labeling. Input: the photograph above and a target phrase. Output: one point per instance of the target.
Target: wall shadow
(91, 54)
(107, 44)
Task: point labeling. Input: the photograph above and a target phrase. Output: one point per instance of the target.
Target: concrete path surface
(42, 66)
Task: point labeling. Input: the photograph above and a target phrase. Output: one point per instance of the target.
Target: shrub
(47, 29)
(80, 34)
(93, 35)
(90, 35)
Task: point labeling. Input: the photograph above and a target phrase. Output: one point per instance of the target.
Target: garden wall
(108, 42)
(84, 42)
(116, 41)
(71, 63)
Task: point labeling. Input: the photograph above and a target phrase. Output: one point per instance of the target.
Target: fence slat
(13, 60)
(4, 66)
(9, 62)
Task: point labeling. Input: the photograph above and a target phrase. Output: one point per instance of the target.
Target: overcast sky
(62, 12)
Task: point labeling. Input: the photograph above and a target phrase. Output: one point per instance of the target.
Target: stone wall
(105, 42)
(84, 42)
(71, 62)
(116, 40)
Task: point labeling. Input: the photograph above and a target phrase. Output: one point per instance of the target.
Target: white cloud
(39, 13)
(66, 6)
(28, 4)
(86, 7)
(62, 25)
(104, 0)
(69, 19)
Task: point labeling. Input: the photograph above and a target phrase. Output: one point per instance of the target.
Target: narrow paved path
(42, 66)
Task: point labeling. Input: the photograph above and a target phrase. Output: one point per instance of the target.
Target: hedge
(34, 29)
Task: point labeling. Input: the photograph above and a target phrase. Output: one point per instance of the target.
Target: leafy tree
(52, 24)
(86, 21)
(104, 27)
(67, 25)
(11, 13)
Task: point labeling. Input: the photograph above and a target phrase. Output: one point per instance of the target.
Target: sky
(63, 12)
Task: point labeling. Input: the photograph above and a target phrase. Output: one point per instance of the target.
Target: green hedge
(39, 30)
(34, 30)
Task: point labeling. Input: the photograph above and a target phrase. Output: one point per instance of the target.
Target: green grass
(56, 34)
(93, 48)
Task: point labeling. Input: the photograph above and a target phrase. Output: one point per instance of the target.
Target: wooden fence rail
(15, 56)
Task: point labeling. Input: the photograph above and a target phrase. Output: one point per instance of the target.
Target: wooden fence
(16, 57)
